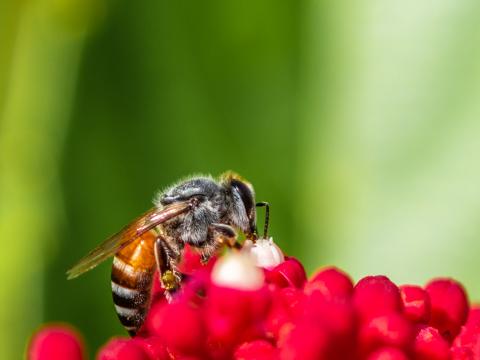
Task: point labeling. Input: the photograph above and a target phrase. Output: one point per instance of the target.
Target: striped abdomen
(132, 274)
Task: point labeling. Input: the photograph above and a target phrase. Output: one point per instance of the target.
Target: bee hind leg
(169, 276)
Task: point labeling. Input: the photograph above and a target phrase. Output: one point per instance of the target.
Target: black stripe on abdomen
(131, 294)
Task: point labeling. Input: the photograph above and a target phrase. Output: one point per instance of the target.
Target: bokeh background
(358, 121)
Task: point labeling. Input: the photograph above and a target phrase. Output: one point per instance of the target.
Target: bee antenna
(266, 205)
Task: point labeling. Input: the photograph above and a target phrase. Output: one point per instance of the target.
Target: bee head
(242, 212)
(230, 201)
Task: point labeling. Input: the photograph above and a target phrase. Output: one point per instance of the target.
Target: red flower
(261, 306)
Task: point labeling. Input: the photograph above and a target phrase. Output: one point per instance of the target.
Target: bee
(200, 211)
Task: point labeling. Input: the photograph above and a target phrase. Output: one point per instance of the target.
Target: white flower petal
(238, 270)
(265, 252)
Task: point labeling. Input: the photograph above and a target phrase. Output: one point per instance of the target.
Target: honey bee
(200, 211)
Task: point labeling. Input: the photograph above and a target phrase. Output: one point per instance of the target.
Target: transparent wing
(115, 243)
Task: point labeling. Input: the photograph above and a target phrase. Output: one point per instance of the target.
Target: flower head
(258, 304)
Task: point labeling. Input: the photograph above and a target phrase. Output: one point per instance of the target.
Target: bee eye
(247, 196)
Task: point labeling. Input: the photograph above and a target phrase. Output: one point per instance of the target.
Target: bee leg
(169, 276)
(219, 235)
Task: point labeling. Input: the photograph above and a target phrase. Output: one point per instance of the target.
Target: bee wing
(115, 243)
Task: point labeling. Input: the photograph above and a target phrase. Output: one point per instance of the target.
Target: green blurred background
(359, 122)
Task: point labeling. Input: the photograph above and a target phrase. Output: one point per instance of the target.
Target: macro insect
(200, 211)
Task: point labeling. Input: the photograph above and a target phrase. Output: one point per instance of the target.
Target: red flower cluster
(232, 309)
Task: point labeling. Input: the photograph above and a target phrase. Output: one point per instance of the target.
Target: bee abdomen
(131, 294)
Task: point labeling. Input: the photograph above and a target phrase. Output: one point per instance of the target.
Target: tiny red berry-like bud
(449, 306)
(286, 305)
(56, 342)
(123, 349)
(234, 316)
(330, 282)
(473, 319)
(256, 350)
(470, 338)
(191, 261)
(462, 353)
(337, 316)
(430, 345)
(288, 273)
(388, 330)
(155, 346)
(181, 327)
(388, 353)
(152, 320)
(416, 303)
(375, 296)
(305, 340)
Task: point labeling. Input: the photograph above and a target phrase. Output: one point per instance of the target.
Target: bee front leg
(164, 258)
(219, 235)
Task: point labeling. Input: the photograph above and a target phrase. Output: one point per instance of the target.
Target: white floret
(265, 252)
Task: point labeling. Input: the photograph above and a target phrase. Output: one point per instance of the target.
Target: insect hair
(159, 194)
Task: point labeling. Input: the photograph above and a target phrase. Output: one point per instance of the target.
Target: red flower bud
(473, 319)
(388, 330)
(469, 338)
(430, 345)
(462, 353)
(256, 350)
(181, 327)
(376, 295)
(330, 282)
(155, 346)
(235, 316)
(150, 326)
(327, 301)
(416, 303)
(467, 343)
(336, 315)
(192, 261)
(288, 273)
(56, 342)
(157, 289)
(305, 340)
(287, 305)
(387, 353)
(123, 349)
(449, 306)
